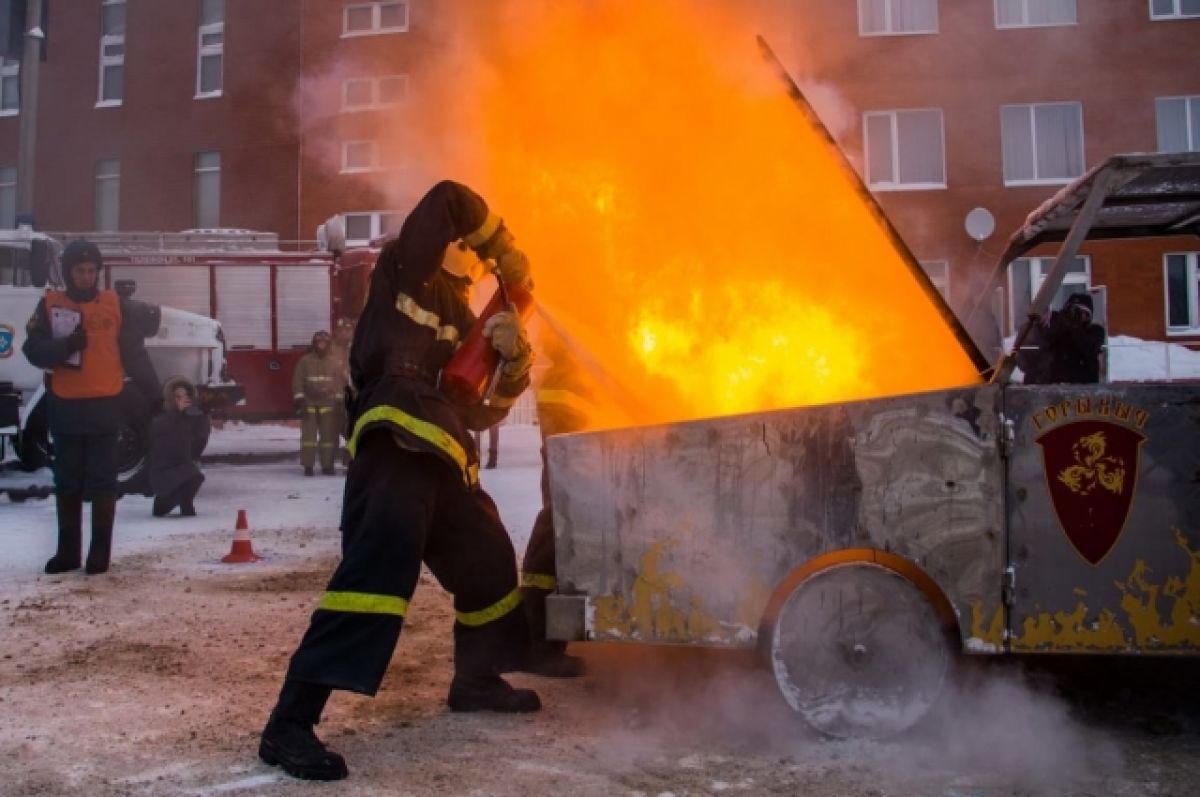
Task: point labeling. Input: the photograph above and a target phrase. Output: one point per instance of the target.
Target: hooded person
(318, 384)
(178, 436)
(1066, 347)
(83, 336)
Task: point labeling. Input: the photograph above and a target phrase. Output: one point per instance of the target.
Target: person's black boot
(549, 662)
(104, 512)
(187, 508)
(288, 740)
(70, 535)
(490, 693)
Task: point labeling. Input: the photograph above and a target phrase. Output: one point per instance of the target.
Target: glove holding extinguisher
(507, 335)
(511, 262)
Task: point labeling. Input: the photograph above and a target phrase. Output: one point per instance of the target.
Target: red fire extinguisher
(473, 371)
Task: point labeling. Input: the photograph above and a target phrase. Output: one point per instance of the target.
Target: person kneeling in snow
(177, 438)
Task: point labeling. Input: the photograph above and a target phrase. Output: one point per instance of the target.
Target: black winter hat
(81, 251)
(1083, 299)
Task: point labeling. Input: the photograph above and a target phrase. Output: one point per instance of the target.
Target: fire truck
(860, 546)
(179, 343)
(269, 296)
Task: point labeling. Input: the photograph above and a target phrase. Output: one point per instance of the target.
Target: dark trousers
(539, 571)
(402, 508)
(85, 465)
(181, 497)
(493, 434)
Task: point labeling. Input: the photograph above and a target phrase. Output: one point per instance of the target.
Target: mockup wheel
(858, 651)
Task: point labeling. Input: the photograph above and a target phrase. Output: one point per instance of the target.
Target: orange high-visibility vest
(100, 373)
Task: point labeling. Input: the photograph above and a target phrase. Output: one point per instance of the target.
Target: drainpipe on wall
(31, 60)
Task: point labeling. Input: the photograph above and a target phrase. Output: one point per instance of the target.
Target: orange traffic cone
(241, 551)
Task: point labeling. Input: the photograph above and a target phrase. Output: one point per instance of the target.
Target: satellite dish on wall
(980, 224)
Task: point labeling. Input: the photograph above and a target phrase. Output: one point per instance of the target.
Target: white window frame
(376, 101)
(1192, 263)
(101, 179)
(204, 51)
(377, 28)
(895, 184)
(1080, 281)
(1176, 12)
(198, 172)
(110, 61)
(1032, 106)
(10, 70)
(8, 190)
(376, 218)
(942, 283)
(373, 145)
(1190, 132)
(890, 27)
(1025, 23)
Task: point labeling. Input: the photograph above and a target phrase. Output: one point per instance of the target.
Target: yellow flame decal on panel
(660, 608)
(988, 632)
(1143, 627)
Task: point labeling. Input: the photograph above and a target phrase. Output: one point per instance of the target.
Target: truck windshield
(14, 267)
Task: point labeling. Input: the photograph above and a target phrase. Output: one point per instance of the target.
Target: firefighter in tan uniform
(317, 387)
(412, 492)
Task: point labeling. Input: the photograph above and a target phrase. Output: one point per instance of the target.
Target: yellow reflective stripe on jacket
(486, 230)
(538, 581)
(429, 432)
(567, 399)
(492, 613)
(363, 603)
(426, 318)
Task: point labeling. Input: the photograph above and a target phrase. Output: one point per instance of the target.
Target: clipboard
(64, 321)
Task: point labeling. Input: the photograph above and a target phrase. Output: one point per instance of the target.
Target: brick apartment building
(264, 114)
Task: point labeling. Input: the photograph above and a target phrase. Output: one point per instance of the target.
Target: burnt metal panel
(681, 532)
(1104, 517)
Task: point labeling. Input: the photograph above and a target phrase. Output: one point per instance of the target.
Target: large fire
(687, 225)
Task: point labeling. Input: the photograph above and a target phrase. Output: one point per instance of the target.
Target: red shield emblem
(1091, 473)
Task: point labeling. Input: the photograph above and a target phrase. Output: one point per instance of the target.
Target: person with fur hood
(177, 438)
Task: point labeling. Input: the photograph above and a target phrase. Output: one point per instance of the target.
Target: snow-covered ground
(257, 469)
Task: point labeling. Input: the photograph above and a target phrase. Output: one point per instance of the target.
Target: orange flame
(694, 232)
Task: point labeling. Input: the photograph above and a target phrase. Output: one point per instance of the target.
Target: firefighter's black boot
(490, 693)
(552, 661)
(70, 535)
(104, 512)
(288, 740)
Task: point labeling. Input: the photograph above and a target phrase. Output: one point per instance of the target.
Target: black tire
(34, 447)
(133, 460)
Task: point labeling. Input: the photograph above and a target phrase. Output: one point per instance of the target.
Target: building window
(1178, 123)
(1034, 13)
(108, 194)
(1174, 9)
(359, 156)
(896, 17)
(362, 228)
(208, 190)
(1043, 143)
(905, 149)
(1025, 278)
(1183, 292)
(8, 197)
(369, 19)
(938, 272)
(366, 93)
(112, 52)
(10, 87)
(210, 49)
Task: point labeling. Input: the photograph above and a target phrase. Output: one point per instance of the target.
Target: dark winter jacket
(1063, 351)
(414, 320)
(176, 441)
(96, 415)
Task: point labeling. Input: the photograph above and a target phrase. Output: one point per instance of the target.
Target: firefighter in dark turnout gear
(567, 401)
(87, 339)
(412, 492)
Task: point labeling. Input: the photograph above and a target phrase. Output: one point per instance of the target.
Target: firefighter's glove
(513, 267)
(493, 248)
(77, 340)
(507, 334)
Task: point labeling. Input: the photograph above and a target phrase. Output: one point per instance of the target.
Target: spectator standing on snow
(177, 439)
(84, 337)
(1065, 347)
(317, 388)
